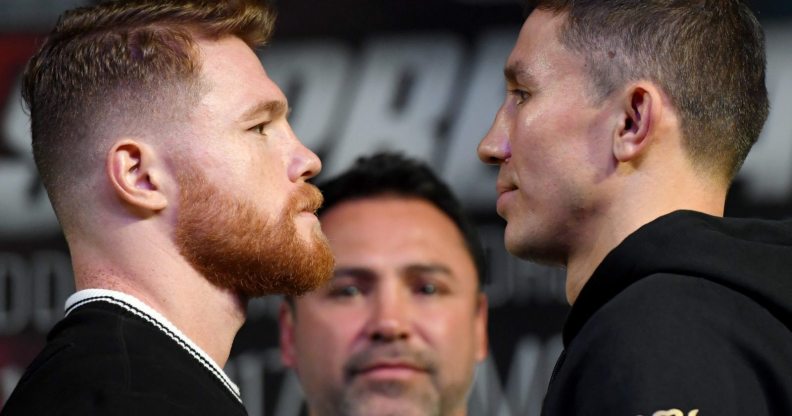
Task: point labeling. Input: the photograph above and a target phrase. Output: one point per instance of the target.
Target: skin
(549, 171)
(248, 142)
(577, 173)
(251, 155)
(402, 323)
(253, 166)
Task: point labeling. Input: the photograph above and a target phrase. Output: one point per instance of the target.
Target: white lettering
(473, 181)
(250, 373)
(515, 280)
(14, 294)
(33, 291)
(313, 75)
(523, 371)
(522, 394)
(291, 396)
(25, 209)
(404, 91)
(487, 393)
(53, 282)
(529, 373)
(416, 94)
(768, 168)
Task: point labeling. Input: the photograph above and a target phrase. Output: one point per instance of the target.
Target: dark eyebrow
(517, 73)
(274, 108)
(355, 272)
(366, 274)
(428, 268)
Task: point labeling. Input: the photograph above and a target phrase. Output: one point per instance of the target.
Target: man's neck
(206, 314)
(626, 217)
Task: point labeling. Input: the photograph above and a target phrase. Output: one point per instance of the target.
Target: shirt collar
(148, 314)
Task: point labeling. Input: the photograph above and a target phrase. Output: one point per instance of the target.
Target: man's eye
(427, 289)
(520, 95)
(345, 291)
(259, 128)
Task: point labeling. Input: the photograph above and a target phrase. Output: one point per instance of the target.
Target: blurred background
(419, 76)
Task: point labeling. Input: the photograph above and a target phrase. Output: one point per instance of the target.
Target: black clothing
(690, 312)
(111, 355)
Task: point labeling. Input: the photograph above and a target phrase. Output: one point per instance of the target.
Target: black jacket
(109, 357)
(691, 315)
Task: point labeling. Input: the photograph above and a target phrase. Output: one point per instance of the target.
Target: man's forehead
(232, 70)
(392, 231)
(539, 54)
(517, 71)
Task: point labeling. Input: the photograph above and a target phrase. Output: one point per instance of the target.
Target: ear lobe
(133, 172)
(286, 328)
(633, 135)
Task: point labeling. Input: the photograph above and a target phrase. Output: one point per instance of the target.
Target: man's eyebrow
(356, 272)
(428, 268)
(518, 73)
(274, 108)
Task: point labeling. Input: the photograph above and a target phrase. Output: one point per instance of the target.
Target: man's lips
(389, 369)
(504, 187)
(505, 194)
(389, 362)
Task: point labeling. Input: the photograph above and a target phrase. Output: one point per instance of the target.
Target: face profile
(547, 140)
(182, 192)
(623, 126)
(251, 230)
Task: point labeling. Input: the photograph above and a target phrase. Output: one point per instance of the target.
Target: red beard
(232, 244)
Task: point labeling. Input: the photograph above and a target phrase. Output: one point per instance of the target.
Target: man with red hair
(181, 189)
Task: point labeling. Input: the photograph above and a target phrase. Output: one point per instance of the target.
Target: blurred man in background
(403, 322)
(623, 126)
(181, 190)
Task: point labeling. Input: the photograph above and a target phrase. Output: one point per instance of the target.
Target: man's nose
(495, 147)
(390, 317)
(304, 163)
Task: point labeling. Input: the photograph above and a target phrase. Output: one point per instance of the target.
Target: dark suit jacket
(108, 356)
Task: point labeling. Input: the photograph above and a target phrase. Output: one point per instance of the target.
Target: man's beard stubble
(404, 399)
(429, 396)
(234, 246)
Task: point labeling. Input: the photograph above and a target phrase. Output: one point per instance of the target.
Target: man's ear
(136, 174)
(286, 327)
(640, 106)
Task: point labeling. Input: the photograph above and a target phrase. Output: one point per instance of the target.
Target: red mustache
(306, 198)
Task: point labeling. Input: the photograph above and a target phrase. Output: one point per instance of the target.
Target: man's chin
(245, 251)
(312, 233)
(392, 397)
(536, 253)
(314, 265)
(377, 404)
